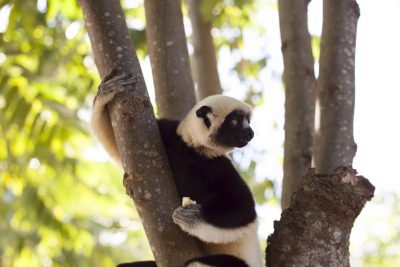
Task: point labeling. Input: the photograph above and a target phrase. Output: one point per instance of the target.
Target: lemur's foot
(187, 217)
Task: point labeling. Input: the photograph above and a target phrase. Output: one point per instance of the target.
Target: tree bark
(204, 56)
(334, 144)
(300, 94)
(148, 179)
(315, 230)
(169, 58)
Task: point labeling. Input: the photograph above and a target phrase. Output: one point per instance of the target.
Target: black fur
(202, 113)
(220, 260)
(214, 183)
(232, 133)
(138, 264)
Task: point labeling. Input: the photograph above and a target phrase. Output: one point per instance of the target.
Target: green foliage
(264, 191)
(57, 206)
(383, 245)
(316, 47)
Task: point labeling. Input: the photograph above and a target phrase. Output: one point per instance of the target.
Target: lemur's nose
(249, 134)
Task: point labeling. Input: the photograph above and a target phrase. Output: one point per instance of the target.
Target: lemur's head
(216, 125)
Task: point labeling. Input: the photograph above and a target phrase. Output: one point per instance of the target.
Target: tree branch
(300, 94)
(148, 179)
(204, 57)
(334, 145)
(169, 58)
(315, 230)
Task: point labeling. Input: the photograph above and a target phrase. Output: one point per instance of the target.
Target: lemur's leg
(100, 121)
(189, 219)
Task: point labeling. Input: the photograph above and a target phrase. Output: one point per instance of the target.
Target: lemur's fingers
(187, 217)
(112, 85)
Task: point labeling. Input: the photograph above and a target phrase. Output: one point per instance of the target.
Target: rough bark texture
(169, 58)
(315, 230)
(204, 58)
(148, 180)
(334, 144)
(300, 94)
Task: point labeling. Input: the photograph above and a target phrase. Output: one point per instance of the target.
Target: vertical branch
(169, 58)
(148, 179)
(334, 145)
(204, 57)
(300, 93)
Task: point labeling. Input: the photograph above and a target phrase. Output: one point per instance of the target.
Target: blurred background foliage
(59, 205)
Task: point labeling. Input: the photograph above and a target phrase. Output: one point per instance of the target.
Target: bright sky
(377, 124)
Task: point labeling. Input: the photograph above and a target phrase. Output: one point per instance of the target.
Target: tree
(343, 181)
(204, 57)
(315, 229)
(300, 94)
(169, 58)
(145, 173)
(334, 145)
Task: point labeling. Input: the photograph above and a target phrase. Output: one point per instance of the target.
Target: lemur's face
(216, 125)
(235, 131)
(229, 131)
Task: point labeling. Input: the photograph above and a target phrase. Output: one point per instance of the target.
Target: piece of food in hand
(186, 201)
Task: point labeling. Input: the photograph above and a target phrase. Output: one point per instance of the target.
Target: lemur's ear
(203, 111)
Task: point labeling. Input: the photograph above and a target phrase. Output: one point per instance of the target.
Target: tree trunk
(334, 144)
(148, 179)
(315, 230)
(169, 58)
(204, 57)
(300, 94)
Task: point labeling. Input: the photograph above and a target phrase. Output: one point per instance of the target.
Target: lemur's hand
(112, 85)
(187, 217)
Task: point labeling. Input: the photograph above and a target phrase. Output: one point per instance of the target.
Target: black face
(235, 131)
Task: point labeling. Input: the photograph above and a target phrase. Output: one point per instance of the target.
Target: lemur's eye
(234, 122)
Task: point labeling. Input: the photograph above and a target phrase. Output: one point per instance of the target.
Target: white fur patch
(195, 133)
(246, 248)
(212, 234)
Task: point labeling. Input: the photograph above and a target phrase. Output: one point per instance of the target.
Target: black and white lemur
(224, 215)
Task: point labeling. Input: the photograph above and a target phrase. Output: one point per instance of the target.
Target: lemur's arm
(100, 121)
(101, 125)
(190, 220)
(224, 217)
